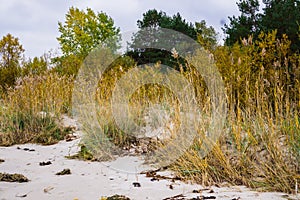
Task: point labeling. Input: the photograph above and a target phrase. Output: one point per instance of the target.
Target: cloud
(34, 22)
(124, 13)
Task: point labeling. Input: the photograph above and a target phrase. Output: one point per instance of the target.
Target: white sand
(92, 180)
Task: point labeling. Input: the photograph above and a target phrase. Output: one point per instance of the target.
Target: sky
(35, 22)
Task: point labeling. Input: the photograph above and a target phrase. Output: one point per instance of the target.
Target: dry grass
(260, 142)
(259, 146)
(30, 111)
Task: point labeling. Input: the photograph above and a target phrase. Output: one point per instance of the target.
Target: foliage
(280, 15)
(154, 19)
(82, 32)
(242, 26)
(11, 55)
(284, 16)
(207, 36)
(68, 65)
(141, 47)
(85, 30)
(83, 154)
(35, 66)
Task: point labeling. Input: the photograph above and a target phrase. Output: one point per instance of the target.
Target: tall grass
(30, 111)
(260, 142)
(259, 146)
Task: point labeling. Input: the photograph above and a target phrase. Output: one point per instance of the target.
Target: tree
(67, 65)
(284, 16)
(11, 55)
(84, 30)
(242, 26)
(35, 66)
(81, 32)
(207, 36)
(280, 15)
(154, 19)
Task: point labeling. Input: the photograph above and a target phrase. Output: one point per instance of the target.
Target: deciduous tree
(82, 31)
(11, 54)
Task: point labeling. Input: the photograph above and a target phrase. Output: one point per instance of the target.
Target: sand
(93, 180)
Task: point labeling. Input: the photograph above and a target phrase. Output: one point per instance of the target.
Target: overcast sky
(35, 22)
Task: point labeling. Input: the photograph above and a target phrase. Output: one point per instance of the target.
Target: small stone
(48, 189)
(136, 184)
(45, 163)
(208, 197)
(154, 179)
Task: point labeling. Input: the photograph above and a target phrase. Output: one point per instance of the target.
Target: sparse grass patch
(24, 128)
(83, 154)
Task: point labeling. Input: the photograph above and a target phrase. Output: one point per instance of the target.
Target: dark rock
(25, 149)
(45, 163)
(208, 197)
(154, 179)
(136, 184)
(177, 197)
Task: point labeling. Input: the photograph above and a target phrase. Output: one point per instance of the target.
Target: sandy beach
(93, 180)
